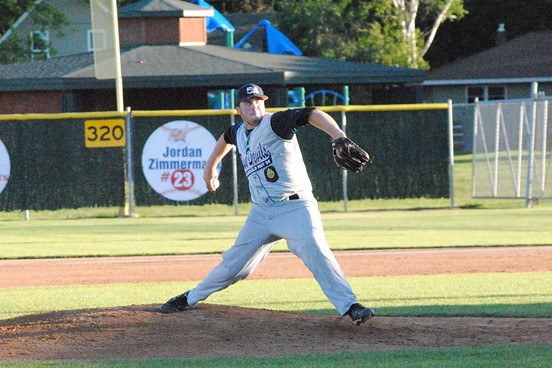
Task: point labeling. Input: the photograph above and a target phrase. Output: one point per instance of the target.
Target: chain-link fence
(51, 166)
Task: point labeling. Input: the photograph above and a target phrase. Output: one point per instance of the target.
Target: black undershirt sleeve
(230, 134)
(285, 123)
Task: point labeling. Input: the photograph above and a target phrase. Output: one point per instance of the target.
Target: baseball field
(469, 286)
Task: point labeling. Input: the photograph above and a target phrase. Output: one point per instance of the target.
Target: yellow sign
(104, 133)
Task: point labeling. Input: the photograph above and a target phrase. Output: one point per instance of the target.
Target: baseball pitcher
(283, 204)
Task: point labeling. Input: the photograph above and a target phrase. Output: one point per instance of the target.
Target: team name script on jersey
(255, 160)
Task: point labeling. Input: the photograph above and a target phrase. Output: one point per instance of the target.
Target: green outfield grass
(478, 357)
(352, 230)
(490, 294)
(369, 224)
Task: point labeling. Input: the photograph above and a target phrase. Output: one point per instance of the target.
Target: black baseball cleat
(176, 304)
(360, 314)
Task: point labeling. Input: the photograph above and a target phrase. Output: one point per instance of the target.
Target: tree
(408, 28)
(389, 32)
(43, 16)
(243, 6)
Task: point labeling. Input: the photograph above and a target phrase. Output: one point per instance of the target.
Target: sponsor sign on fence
(174, 158)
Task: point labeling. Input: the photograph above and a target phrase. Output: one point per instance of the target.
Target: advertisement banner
(4, 166)
(174, 158)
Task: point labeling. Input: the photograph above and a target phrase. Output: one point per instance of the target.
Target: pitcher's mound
(141, 332)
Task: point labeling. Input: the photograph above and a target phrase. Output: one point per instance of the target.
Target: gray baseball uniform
(283, 208)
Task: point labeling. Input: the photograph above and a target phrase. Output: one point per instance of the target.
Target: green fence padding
(51, 168)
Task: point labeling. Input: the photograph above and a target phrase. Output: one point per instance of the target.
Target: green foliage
(371, 31)
(318, 27)
(385, 45)
(46, 17)
(43, 16)
(11, 10)
(13, 51)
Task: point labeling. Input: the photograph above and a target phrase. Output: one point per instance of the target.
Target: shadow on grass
(535, 310)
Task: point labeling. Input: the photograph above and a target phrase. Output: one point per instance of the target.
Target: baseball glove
(348, 155)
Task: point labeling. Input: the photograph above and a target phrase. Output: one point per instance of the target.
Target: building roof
(528, 57)
(161, 66)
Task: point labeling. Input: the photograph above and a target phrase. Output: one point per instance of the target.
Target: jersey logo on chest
(256, 159)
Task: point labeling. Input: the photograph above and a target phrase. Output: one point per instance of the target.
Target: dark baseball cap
(249, 91)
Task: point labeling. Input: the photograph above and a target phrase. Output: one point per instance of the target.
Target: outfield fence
(96, 159)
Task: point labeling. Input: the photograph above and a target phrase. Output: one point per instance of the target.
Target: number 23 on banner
(104, 133)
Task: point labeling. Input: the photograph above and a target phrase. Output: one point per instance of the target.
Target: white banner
(4, 166)
(174, 159)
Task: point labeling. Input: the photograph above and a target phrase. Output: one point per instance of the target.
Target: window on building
(40, 44)
(476, 93)
(496, 93)
(486, 93)
(96, 38)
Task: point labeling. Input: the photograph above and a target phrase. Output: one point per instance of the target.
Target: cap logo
(252, 90)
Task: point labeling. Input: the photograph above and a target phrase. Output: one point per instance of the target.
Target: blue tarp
(218, 21)
(276, 41)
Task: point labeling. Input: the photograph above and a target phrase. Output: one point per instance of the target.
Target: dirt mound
(140, 332)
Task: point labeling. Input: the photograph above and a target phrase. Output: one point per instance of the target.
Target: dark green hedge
(51, 168)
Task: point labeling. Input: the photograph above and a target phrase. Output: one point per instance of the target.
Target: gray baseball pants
(300, 224)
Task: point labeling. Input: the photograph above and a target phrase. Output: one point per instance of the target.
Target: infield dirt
(139, 331)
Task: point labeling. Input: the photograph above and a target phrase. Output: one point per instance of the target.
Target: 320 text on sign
(104, 133)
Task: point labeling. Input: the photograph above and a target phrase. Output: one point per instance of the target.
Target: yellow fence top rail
(161, 113)
(63, 115)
